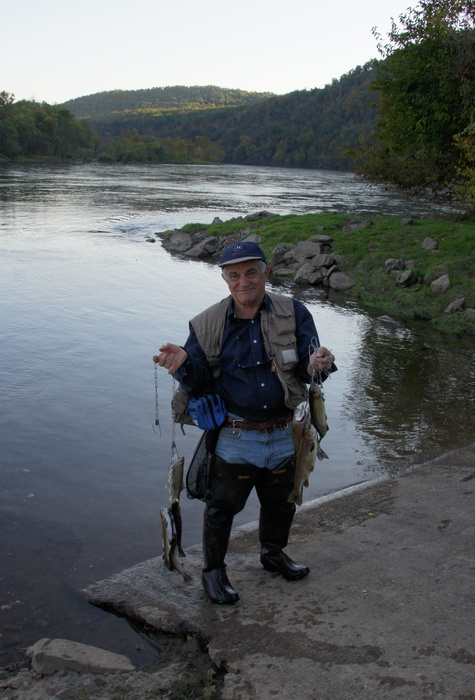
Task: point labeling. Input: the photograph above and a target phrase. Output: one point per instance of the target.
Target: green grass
(365, 250)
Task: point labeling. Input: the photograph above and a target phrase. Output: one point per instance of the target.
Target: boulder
(278, 253)
(429, 244)
(304, 273)
(357, 224)
(341, 282)
(204, 249)
(407, 221)
(455, 306)
(304, 250)
(441, 285)
(394, 264)
(470, 314)
(323, 260)
(51, 655)
(178, 241)
(405, 278)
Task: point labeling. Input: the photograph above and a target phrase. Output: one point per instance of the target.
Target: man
(252, 349)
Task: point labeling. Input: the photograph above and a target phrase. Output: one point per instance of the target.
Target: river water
(85, 302)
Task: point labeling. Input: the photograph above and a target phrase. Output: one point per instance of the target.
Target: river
(85, 302)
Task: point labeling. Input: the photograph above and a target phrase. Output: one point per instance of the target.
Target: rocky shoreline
(311, 262)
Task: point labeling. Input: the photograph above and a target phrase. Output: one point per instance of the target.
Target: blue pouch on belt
(207, 412)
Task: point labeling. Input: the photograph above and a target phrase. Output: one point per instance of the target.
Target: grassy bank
(364, 251)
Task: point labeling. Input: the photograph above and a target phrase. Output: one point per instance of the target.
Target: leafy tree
(426, 86)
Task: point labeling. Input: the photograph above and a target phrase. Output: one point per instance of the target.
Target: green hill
(160, 100)
(306, 128)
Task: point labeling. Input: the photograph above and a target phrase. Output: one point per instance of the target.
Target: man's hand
(172, 357)
(320, 360)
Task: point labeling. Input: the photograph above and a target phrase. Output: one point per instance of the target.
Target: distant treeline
(308, 129)
(32, 130)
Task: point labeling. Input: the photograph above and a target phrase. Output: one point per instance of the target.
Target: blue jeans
(268, 450)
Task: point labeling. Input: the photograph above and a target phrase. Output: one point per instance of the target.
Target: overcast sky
(55, 50)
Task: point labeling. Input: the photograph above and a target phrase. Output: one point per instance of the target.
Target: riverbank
(386, 611)
(421, 250)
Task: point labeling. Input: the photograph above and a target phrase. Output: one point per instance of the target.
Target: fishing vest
(280, 343)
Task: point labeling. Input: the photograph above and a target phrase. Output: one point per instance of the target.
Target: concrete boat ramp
(386, 612)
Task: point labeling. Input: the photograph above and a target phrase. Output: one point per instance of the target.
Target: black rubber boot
(216, 531)
(275, 521)
(218, 588)
(229, 488)
(278, 561)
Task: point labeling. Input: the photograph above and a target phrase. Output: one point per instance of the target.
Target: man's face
(246, 282)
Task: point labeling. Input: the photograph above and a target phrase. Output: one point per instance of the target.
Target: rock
(303, 274)
(341, 282)
(394, 264)
(408, 221)
(441, 285)
(435, 272)
(204, 249)
(454, 306)
(257, 215)
(304, 250)
(278, 253)
(216, 220)
(323, 260)
(355, 225)
(429, 244)
(405, 279)
(470, 314)
(51, 655)
(410, 264)
(388, 319)
(178, 241)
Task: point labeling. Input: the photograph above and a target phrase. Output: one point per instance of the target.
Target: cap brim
(239, 260)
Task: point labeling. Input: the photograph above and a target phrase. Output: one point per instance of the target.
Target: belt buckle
(237, 420)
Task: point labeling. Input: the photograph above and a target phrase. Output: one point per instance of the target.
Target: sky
(56, 50)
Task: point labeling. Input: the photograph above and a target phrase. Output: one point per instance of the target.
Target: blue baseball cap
(240, 252)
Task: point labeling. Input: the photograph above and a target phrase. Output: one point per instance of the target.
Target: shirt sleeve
(307, 340)
(194, 375)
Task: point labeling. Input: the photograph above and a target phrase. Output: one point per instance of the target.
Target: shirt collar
(264, 305)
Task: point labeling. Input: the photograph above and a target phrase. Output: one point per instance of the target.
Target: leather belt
(264, 426)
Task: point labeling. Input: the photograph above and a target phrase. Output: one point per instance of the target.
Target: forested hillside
(160, 100)
(307, 128)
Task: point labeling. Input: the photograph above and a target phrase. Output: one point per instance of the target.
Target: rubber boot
(275, 521)
(216, 532)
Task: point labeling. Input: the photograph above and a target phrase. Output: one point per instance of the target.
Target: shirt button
(262, 384)
(264, 406)
(254, 341)
(258, 362)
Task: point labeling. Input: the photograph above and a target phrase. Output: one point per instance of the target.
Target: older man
(252, 349)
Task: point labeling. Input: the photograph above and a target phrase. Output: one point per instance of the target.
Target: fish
(305, 441)
(318, 415)
(175, 487)
(170, 547)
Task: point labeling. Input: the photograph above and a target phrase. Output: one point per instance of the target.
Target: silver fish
(170, 547)
(317, 409)
(305, 442)
(175, 487)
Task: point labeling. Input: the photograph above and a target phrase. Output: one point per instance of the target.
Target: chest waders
(229, 488)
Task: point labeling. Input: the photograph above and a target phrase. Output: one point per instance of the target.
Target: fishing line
(157, 412)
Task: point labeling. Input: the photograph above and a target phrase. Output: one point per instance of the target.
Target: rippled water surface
(85, 301)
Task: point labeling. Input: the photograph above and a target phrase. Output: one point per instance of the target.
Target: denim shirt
(247, 381)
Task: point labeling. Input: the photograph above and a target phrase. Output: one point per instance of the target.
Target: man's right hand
(172, 357)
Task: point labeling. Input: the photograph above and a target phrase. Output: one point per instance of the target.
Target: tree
(426, 86)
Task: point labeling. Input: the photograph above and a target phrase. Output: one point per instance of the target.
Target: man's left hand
(321, 360)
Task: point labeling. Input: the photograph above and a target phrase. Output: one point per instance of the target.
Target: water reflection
(411, 394)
